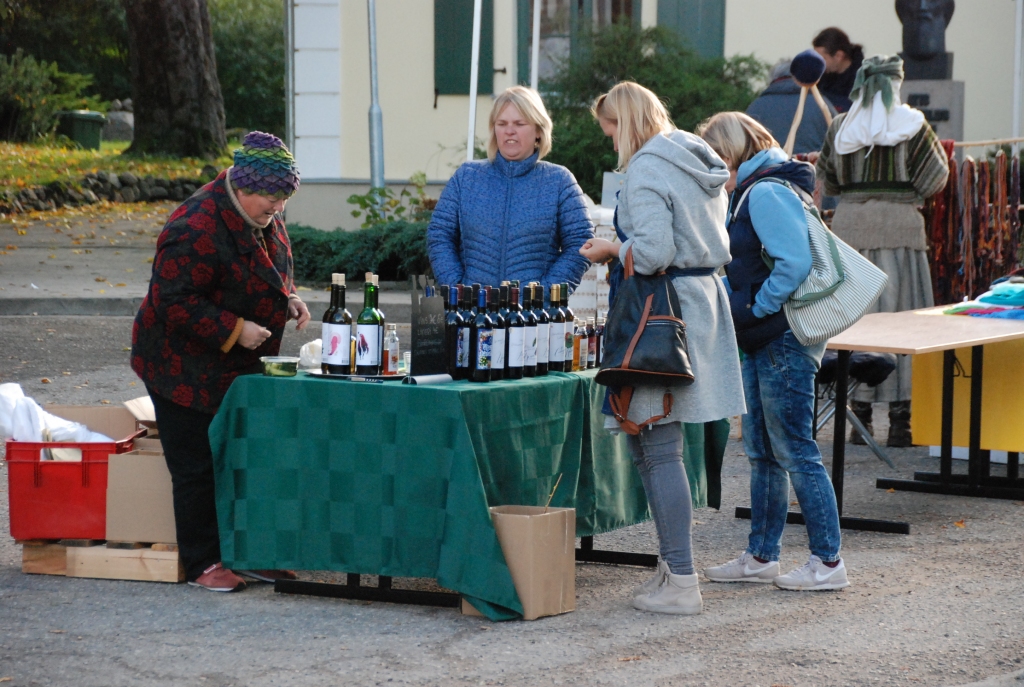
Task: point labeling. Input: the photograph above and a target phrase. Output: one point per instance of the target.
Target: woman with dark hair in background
(842, 60)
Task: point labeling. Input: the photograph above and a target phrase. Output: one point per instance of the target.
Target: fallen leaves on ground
(890, 491)
(631, 658)
(45, 380)
(100, 279)
(960, 523)
(105, 402)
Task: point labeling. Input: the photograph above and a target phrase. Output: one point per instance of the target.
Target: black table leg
(978, 481)
(1013, 466)
(839, 464)
(588, 554)
(382, 592)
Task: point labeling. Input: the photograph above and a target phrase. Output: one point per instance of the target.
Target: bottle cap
(600, 320)
(368, 277)
(590, 321)
(392, 326)
(341, 279)
(376, 280)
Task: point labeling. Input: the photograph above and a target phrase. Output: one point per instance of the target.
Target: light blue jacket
(779, 222)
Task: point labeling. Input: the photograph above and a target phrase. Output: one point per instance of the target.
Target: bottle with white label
(556, 333)
(591, 344)
(516, 336)
(543, 329)
(500, 336)
(530, 334)
(368, 327)
(336, 332)
(391, 350)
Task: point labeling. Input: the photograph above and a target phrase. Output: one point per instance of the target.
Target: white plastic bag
(32, 423)
(309, 354)
(9, 396)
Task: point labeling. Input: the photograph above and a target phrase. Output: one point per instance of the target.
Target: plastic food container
(279, 366)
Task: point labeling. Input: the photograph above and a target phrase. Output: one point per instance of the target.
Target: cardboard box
(140, 506)
(149, 443)
(539, 546)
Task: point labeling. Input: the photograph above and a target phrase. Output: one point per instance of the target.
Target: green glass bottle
(368, 328)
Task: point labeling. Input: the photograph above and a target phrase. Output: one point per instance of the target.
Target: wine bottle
(516, 337)
(482, 337)
(455, 352)
(581, 344)
(368, 330)
(599, 330)
(530, 335)
(591, 344)
(476, 297)
(556, 333)
(500, 336)
(543, 330)
(503, 304)
(336, 344)
(391, 353)
(325, 328)
(383, 322)
(570, 328)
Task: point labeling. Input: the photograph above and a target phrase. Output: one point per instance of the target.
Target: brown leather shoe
(269, 575)
(217, 578)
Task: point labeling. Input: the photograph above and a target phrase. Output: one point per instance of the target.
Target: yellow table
(924, 332)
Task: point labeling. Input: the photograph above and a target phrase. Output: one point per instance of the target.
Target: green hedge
(394, 251)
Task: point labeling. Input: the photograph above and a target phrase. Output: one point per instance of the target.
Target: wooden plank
(125, 564)
(165, 547)
(47, 559)
(81, 542)
(923, 331)
(35, 542)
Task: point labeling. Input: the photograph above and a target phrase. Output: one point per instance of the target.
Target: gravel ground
(943, 606)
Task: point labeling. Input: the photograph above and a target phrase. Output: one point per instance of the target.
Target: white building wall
(316, 79)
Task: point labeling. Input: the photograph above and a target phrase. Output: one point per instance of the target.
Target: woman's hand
(297, 310)
(253, 335)
(599, 250)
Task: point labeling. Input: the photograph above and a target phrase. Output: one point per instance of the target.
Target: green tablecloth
(394, 479)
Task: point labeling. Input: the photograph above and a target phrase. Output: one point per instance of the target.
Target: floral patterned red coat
(209, 271)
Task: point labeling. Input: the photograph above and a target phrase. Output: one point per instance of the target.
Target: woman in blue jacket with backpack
(511, 216)
(771, 257)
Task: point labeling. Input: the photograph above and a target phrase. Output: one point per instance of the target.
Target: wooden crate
(156, 563)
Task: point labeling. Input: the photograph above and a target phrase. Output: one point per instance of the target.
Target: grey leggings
(658, 455)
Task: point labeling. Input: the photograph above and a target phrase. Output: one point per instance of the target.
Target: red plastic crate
(56, 499)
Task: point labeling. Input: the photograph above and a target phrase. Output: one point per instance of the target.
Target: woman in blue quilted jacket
(511, 216)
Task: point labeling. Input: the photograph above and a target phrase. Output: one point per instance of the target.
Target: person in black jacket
(842, 60)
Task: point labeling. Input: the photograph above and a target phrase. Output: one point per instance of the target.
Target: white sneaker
(814, 576)
(653, 583)
(678, 595)
(746, 568)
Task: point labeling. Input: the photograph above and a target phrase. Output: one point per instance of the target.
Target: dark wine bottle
(368, 332)
(482, 339)
(591, 344)
(556, 332)
(499, 346)
(455, 352)
(543, 330)
(476, 298)
(325, 329)
(570, 325)
(529, 335)
(516, 336)
(503, 305)
(599, 329)
(337, 335)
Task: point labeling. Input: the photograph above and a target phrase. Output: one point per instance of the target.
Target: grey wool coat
(672, 207)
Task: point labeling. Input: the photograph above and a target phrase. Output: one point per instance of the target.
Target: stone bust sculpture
(924, 26)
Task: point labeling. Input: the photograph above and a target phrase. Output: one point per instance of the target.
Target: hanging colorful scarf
(965, 239)
(1000, 215)
(1013, 250)
(938, 211)
(984, 243)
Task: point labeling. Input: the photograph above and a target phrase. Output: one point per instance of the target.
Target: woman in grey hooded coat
(672, 210)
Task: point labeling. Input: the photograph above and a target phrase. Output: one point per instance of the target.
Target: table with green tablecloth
(396, 479)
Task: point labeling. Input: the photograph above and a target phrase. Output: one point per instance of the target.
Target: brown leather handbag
(645, 341)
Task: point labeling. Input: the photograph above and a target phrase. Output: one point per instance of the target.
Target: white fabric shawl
(864, 127)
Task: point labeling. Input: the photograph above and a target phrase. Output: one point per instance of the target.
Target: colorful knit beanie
(264, 165)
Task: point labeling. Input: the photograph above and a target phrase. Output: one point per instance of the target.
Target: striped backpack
(841, 287)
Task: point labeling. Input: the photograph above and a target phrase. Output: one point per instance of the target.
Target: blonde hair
(531, 107)
(735, 136)
(638, 113)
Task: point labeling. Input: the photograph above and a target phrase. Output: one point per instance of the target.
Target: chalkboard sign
(428, 335)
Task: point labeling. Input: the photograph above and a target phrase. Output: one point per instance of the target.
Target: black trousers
(183, 433)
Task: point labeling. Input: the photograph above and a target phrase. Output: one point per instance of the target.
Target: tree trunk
(176, 95)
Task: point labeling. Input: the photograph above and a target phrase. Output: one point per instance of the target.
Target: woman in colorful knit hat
(219, 297)
(883, 158)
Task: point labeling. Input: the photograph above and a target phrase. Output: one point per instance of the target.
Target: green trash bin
(84, 127)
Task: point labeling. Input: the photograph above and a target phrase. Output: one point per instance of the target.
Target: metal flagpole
(376, 117)
(535, 56)
(1017, 72)
(474, 71)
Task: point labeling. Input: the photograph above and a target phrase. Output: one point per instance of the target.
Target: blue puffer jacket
(505, 220)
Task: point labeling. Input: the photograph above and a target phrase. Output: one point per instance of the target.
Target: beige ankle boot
(678, 594)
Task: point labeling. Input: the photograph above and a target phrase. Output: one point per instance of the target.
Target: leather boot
(899, 425)
(863, 412)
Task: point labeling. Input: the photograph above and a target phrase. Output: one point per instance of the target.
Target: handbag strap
(639, 331)
(627, 268)
(620, 407)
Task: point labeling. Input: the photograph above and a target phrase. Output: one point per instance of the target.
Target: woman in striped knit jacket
(884, 160)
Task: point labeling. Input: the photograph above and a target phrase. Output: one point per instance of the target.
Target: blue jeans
(658, 455)
(778, 381)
